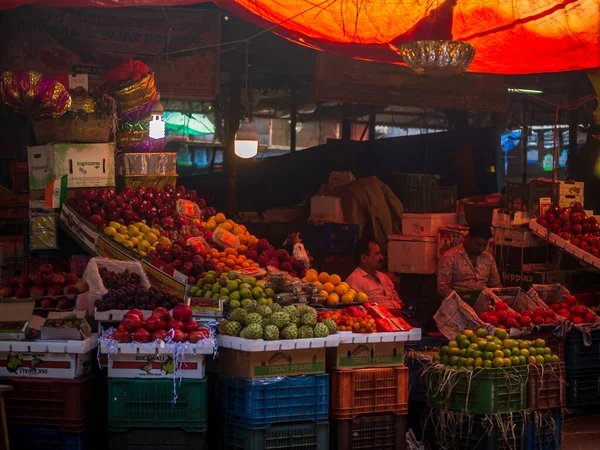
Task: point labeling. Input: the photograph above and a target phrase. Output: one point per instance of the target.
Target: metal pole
(524, 121)
(372, 119)
(293, 118)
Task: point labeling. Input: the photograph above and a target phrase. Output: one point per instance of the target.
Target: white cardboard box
(517, 238)
(449, 237)
(47, 359)
(507, 218)
(331, 206)
(426, 224)
(412, 254)
(87, 165)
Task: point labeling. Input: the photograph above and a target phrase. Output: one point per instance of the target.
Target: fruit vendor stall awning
(192, 125)
(510, 36)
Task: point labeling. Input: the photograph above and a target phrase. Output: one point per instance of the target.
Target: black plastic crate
(33, 438)
(583, 387)
(369, 431)
(544, 430)
(429, 199)
(457, 430)
(581, 356)
(335, 238)
(286, 436)
(163, 439)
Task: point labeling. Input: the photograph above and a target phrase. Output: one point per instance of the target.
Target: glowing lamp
(156, 129)
(246, 141)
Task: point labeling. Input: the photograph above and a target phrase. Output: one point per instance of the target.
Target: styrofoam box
(47, 359)
(412, 254)
(426, 224)
(330, 206)
(347, 337)
(260, 345)
(517, 238)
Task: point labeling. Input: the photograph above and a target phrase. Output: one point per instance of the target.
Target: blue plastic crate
(288, 436)
(260, 402)
(336, 238)
(544, 430)
(417, 385)
(581, 356)
(31, 438)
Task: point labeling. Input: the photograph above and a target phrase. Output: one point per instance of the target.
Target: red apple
(493, 320)
(590, 317)
(131, 323)
(577, 320)
(571, 300)
(6, 292)
(159, 335)
(54, 290)
(175, 324)
(538, 320)
(540, 312)
(550, 313)
(46, 268)
(195, 336)
(182, 312)
(548, 320)
(154, 323)
(120, 336)
(511, 323)
(70, 290)
(71, 278)
(135, 312)
(22, 292)
(502, 315)
(179, 336)
(141, 335)
(525, 321)
(485, 316)
(528, 313)
(37, 291)
(162, 313)
(191, 326)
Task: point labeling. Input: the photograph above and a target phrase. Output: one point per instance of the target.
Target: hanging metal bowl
(441, 58)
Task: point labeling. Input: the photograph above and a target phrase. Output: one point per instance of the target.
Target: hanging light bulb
(246, 141)
(156, 129)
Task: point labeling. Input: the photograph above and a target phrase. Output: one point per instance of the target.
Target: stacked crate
(483, 410)
(56, 413)
(582, 360)
(369, 394)
(547, 397)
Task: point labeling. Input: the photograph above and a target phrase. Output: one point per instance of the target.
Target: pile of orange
(220, 221)
(346, 322)
(229, 259)
(334, 289)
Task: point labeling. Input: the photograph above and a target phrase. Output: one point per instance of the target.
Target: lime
(547, 359)
(499, 354)
(453, 351)
(487, 364)
(469, 353)
(436, 358)
(501, 334)
(514, 361)
(445, 359)
(474, 346)
(463, 343)
(540, 343)
(488, 356)
(481, 344)
(498, 362)
(532, 360)
(477, 354)
(524, 353)
(469, 334)
(547, 351)
(555, 358)
(452, 344)
(539, 359)
(507, 353)
(507, 362)
(453, 360)
(234, 303)
(491, 347)
(444, 350)
(470, 361)
(516, 352)
(478, 362)
(522, 360)
(462, 362)
(481, 332)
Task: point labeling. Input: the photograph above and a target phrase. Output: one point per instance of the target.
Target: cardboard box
(205, 307)
(15, 315)
(426, 224)
(87, 165)
(45, 365)
(75, 333)
(330, 206)
(412, 254)
(364, 355)
(154, 366)
(517, 238)
(507, 218)
(449, 237)
(306, 361)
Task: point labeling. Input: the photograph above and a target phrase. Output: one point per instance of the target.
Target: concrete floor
(582, 432)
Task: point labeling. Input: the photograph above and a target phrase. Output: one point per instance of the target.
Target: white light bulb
(246, 141)
(156, 129)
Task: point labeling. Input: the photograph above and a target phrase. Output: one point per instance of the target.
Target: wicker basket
(72, 130)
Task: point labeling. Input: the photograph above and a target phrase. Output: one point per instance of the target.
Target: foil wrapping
(34, 95)
(143, 112)
(146, 146)
(442, 58)
(136, 94)
(85, 104)
(158, 181)
(140, 125)
(147, 163)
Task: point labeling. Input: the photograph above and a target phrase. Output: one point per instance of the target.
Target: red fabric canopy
(510, 36)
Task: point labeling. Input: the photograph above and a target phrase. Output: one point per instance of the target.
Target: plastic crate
(544, 430)
(526, 197)
(31, 438)
(260, 402)
(363, 391)
(417, 386)
(164, 439)
(482, 391)
(453, 430)
(289, 436)
(335, 238)
(70, 405)
(134, 403)
(377, 432)
(583, 387)
(547, 386)
(429, 199)
(581, 356)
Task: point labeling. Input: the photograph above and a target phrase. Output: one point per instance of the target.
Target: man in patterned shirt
(468, 267)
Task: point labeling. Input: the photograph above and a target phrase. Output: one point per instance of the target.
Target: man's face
(374, 258)
(475, 245)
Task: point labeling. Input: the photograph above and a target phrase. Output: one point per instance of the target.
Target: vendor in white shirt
(368, 279)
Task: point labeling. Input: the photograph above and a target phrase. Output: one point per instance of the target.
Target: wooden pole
(233, 118)
(346, 123)
(293, 118)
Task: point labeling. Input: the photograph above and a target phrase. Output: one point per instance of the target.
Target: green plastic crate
(149, 404)
(289, 436)
(489, 391)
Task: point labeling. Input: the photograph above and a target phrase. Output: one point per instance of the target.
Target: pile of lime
(478, 349)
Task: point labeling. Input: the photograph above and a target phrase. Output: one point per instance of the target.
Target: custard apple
(222, 326)
(270, 333)
(250, 306)
(264, 310)
(233, 328)
(253, 318)
(276, 307)
(280, 319)
(239, 315)
(289, 332)
(321, 330)
(267, 321)
(331, 326)
(302, 309)
(309, 319)
(305, 332)
(290, 310)
(252, 331)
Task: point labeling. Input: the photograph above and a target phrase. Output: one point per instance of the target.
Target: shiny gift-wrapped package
(147, 163)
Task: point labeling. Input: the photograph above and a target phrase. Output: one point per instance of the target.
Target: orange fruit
(346, 298)
(340, 289)
(311, 277)
(333, 299)
(325, 293)
(335, 279)
(328, 287)
(361, 297)
(242, 249)
(324, 277)
(227, 226)
(220, 218)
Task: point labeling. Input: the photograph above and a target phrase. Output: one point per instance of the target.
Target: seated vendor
(368, 279)
(468, 267)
